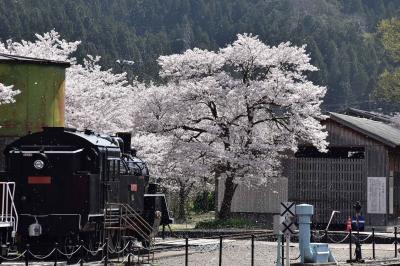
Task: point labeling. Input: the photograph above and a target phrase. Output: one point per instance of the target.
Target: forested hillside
(340, 34)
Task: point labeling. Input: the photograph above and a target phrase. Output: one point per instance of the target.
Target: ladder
(120, 216)
(9, 214)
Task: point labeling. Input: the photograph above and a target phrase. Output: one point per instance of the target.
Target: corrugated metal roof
(30, 60)
(377, 130)
(369, 115)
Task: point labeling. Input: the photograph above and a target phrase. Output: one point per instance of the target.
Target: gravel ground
(239, 253)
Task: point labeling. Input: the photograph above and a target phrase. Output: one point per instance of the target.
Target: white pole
(287, 249)
(278, 252)
(3, 201)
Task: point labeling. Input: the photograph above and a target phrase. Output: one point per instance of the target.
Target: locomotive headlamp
(38, 164)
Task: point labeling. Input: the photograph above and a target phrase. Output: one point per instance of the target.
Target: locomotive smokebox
(126, 137)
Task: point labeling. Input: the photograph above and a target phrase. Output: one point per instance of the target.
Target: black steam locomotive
(74, 186)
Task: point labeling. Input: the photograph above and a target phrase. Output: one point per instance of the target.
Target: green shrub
(198, 203)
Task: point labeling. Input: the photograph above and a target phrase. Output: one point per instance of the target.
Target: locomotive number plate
(39, 180)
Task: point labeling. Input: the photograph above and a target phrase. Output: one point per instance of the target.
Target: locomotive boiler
(73, 186)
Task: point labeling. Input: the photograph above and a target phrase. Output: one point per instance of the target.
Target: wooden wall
(328, 184)
(394, 170)
(334, 184)
(4, 141)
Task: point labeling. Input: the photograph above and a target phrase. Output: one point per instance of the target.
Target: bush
(229, 223)
(199, 202)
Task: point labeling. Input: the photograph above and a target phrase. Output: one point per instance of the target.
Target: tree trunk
(230, 187)
(205, 196)
(181, 205)
(217, 175)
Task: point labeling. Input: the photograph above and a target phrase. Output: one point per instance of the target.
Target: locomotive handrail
(9, 212)
(132, 219)
(15, 210)
(138, 217)
(130, 211)
(15, 218)
(137, 229)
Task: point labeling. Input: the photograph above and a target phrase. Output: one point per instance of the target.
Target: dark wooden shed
(363, 164)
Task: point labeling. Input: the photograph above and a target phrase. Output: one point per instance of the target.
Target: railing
(136, 222)
(132, 220)
(9, 215)
(80, 255)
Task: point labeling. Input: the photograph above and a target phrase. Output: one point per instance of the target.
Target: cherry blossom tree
(48, 46)
(98, 99)
(395, 120)
(95, 98)
(180, 167)
(7, 94)
(241, 107)
(177, 168)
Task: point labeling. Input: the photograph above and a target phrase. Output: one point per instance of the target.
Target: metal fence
(242, 249)
(374, 248)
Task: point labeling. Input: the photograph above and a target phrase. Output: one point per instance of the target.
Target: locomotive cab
(134, 178)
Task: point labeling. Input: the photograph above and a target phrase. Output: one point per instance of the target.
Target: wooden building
(41, 101)
(363, 164)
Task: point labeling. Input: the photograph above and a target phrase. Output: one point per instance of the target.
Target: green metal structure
(41, 101)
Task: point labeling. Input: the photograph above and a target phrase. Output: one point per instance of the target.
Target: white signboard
(376, 199)
(288, 209)
(288, 213)
(288, 226)
(391, 195)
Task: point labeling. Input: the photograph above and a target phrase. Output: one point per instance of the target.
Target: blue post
(304, 213)
(310, 252)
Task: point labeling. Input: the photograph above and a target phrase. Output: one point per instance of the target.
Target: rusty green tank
(41, 101)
